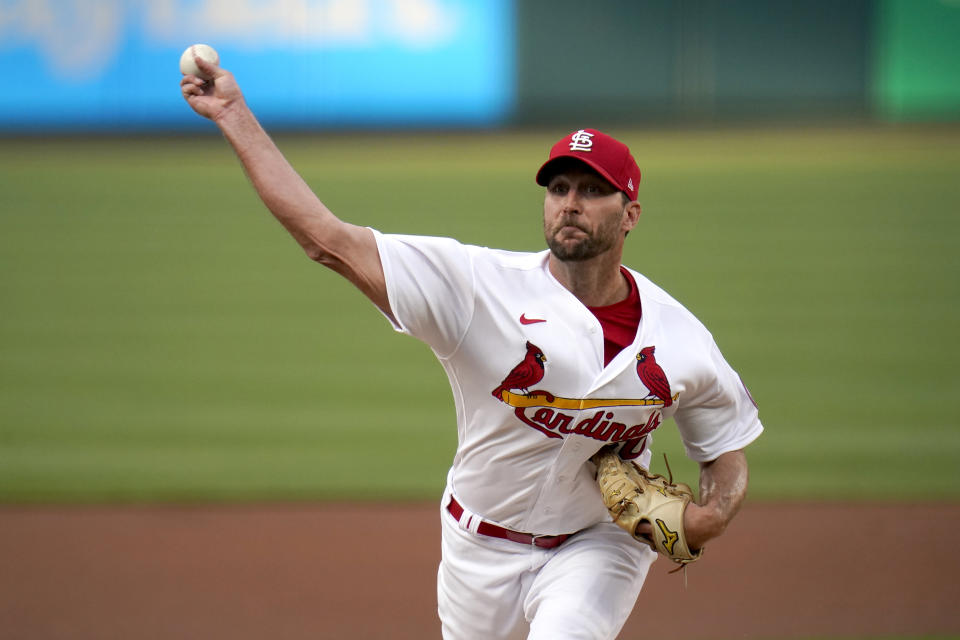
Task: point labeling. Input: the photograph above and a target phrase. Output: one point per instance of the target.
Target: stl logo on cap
(581, 141)
(607, 156)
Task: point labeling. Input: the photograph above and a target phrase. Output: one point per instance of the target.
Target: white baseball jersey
(533, 398)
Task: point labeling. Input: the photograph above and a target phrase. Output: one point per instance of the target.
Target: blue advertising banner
(114, 64)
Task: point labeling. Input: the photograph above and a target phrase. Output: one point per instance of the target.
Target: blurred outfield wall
(112, 64)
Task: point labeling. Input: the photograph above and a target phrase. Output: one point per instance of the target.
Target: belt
(495, 531)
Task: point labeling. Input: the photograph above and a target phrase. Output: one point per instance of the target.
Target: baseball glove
(633, 495)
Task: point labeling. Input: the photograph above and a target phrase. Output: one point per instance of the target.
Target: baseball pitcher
(563, 364)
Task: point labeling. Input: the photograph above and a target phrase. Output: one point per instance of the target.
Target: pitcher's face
(583, 215)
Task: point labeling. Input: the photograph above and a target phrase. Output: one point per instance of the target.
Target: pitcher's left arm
(723, 487)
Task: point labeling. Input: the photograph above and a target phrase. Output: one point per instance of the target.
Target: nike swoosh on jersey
(525, 320)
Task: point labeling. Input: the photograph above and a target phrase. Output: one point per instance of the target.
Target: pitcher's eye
(597, 189)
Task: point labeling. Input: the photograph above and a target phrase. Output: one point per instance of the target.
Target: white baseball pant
(584, 589)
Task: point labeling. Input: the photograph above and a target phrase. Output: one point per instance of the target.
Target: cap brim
(548, 170)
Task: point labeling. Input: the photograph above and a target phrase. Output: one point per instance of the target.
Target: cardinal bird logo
(652, 376)
(526, 374)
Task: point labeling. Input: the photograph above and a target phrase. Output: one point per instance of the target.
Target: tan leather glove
(633, 495)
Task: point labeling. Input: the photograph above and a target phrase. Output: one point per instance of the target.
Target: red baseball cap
(607, 156)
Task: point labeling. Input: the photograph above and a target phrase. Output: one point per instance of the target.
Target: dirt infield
(367, 571)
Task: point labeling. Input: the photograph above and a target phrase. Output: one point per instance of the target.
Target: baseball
(189, 67)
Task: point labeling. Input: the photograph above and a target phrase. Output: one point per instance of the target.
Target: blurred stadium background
(161, 339)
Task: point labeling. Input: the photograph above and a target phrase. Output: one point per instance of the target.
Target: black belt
(495, 531)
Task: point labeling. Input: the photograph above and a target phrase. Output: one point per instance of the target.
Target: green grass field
(162, 339)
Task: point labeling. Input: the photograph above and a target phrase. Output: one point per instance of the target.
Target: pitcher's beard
(589, 246)
(584, 249)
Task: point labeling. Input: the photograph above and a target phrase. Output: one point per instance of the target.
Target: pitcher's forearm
(279, 186)
(723, 483)
(723, 488)
(348, 249)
